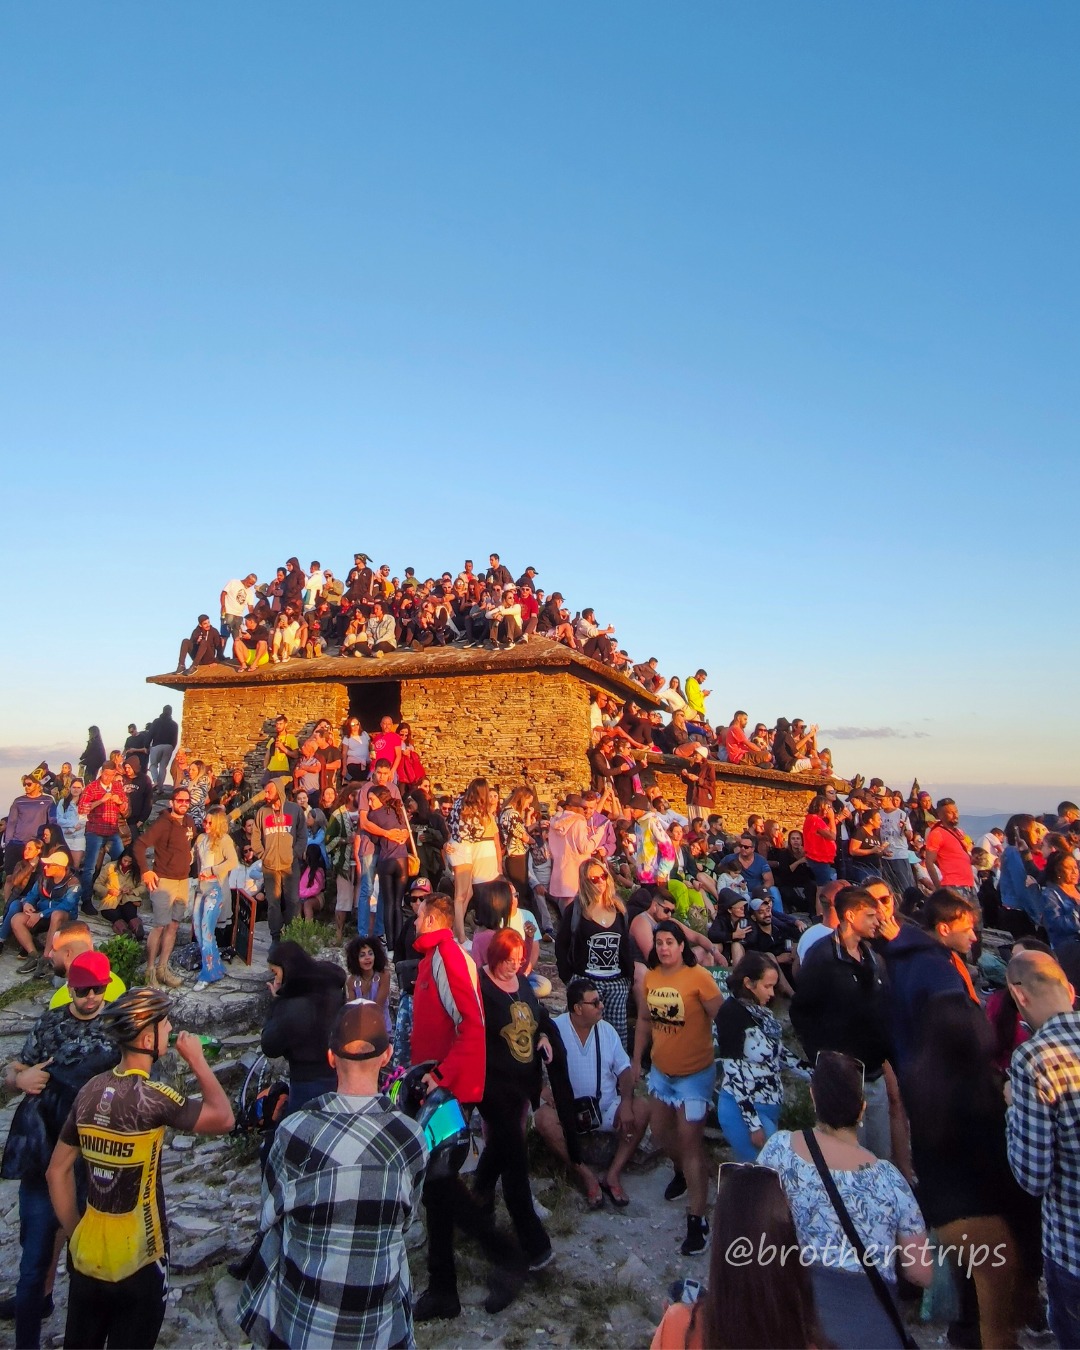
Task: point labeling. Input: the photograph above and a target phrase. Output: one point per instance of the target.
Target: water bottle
(210, 1044)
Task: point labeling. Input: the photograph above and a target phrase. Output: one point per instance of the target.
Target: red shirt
(953, 860)
(101, 808)
(816, 848)
(736, 744)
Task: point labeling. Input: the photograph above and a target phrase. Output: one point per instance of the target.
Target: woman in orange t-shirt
(681, 1000)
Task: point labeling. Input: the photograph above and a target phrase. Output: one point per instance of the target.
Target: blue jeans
(823, 872)
(38, 1227)
(369, 922)
(734, 1127)
(94, 844)
(204, 919)
(5, 928)
(1063, 1296)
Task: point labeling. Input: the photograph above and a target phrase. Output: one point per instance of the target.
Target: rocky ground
(606, 1287)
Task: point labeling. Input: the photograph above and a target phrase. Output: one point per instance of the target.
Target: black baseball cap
(359, 1031)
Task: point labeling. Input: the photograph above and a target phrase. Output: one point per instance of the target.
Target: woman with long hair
(672, 695)
(748, 1305)
(312, 884)
(306, 996)
(593, 940)
(71, 823)
(517, 819)
(753, 1053)
(866, 848)
(410, 767)
(94, 756)
(467, 823)
(819, 833)
(1061, 899)
(953, 1094)
(878, 1200)
(682, 999)
(385, 810)
(1020, 879)
(369, 974)
(215, 855)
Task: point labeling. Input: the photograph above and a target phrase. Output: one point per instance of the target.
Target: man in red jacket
(448, 1027)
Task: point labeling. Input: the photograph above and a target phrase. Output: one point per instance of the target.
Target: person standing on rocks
(341, 1183)
(164, 737)
(171, 837)
(448, 1029)
(66, 1047)
(118, 1252)
(282, 834)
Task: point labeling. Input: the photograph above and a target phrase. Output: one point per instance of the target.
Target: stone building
(508, 716)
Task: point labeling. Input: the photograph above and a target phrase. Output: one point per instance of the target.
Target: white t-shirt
(237, 596)
(581, 1064)
(993, 845)
(896, 832)
(356, 749)
(812, 935)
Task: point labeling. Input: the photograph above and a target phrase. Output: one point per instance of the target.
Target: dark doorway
(372, 700)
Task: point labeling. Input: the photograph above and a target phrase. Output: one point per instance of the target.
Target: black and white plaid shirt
(1044, 1131)
(341, 1181)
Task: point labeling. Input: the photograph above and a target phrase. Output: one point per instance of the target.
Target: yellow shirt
(682, 1042)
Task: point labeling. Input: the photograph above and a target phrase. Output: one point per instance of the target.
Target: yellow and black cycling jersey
(118, 1124)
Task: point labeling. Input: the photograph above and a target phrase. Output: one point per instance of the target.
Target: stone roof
(538, 654)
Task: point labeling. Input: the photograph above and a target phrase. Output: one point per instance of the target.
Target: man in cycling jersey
(119, 1248)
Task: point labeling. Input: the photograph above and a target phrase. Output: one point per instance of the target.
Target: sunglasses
(88, 989)
(595, 878)
(825, 1056)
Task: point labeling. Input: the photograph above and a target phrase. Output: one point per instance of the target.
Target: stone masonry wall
(506, 728)
(225, 726)
(781, 799)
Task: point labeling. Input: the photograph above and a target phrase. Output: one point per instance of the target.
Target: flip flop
(595, 1202)
(620, 1201)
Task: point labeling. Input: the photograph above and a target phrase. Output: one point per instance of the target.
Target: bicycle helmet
(439, 1115)
(124, 1020)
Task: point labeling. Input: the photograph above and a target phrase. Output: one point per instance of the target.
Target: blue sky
(754, 327)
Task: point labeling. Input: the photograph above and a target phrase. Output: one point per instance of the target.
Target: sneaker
(503, 1288)
(171, 981)
(697, 1236)
(28, 965)
(430, 1307)
(542, 1261)
(676, 1186)
(89, 908)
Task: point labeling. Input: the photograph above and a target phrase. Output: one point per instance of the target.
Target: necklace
(845, 1134)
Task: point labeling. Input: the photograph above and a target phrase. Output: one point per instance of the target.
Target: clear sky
(753, 326)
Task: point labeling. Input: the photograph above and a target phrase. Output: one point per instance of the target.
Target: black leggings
(125, 1315)
(505, 1155)
(391, 874)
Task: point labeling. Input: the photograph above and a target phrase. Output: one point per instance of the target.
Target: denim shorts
(692, 1091)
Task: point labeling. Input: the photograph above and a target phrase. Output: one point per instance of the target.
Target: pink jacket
(571, 842)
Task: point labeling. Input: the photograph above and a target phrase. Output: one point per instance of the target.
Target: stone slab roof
(539, 655)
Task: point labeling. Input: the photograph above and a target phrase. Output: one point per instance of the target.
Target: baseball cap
(421, 886)
(57, 859)
(89, 968)
(639, 802)
(760, 900)
(359, 1031)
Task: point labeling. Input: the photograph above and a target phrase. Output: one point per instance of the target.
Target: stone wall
(740, 793)
(223, 726)
(506, 728)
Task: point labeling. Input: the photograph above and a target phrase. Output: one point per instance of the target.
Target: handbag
(877, 1280)
(587, 1117)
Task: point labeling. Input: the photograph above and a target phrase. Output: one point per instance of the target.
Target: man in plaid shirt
(103, 803)
(1043, 1124)
(342, 1179)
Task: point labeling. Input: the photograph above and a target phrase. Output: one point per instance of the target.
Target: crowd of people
(943, 1081)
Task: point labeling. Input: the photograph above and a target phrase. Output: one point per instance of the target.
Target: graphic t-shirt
(385, 745)
(682, 1040)
(237, 596)
(118, 1121)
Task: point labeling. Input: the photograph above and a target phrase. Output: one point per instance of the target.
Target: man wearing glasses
(65, 1049)
(171, 837)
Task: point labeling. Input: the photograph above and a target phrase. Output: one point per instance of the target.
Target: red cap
(89, 968)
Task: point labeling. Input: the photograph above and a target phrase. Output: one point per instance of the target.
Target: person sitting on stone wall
(381, 631)
(252, 647)
(203, 647)
(553, 621)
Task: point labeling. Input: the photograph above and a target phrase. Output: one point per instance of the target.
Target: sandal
(595, 1202)
(620, 1201)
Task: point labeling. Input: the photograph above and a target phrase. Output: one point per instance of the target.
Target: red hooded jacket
(448, 1016)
